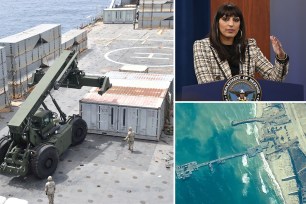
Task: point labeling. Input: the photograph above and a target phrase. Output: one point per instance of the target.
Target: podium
(271, 91)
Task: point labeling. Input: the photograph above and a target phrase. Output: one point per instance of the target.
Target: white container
(27, 40)
(67, 43)
(150, 80)
(14, 45)
(31, 41)
(16, 62)
(123, 107)
(47, 32)
(24, 72)
(119, 15)
(75, 39)
(77, 35)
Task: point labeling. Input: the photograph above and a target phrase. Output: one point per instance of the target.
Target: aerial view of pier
(269, 139)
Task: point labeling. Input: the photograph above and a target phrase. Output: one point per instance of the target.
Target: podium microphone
(240, 59)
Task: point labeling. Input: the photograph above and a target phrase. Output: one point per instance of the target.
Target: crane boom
(63, 72)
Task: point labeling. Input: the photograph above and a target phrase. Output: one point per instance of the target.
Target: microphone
(240, 59)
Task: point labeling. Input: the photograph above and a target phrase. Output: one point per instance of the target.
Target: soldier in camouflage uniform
(50, 190)
(130, 138)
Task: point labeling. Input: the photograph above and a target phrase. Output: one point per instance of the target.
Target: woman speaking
(227, 52)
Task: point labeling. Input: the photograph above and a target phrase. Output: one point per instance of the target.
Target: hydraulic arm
(36, 135)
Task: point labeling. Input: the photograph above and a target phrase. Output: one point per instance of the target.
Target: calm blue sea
(19, 15)
(204, 133)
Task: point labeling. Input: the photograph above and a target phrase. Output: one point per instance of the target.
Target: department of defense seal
(241, 88)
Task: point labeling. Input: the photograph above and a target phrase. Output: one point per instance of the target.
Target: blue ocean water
(19, 15)
(204, 133)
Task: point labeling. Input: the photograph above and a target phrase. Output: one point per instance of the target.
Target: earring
(240, 34)
(217, 32)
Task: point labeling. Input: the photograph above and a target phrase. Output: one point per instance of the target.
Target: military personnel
(130, 138)
(50, 190)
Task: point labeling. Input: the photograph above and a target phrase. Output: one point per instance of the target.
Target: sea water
(19, 15)
(204, 132)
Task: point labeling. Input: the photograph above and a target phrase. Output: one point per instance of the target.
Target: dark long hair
(214, 35)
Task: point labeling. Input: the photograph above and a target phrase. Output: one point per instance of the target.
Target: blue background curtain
(287, 22)
(192, 22)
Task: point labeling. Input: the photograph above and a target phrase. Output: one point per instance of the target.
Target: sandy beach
(279, 163)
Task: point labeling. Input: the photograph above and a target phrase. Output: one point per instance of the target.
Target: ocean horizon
(19, 15)
(204, 133)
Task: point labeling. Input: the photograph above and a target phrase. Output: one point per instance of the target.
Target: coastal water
(19, 15)
(204, 133)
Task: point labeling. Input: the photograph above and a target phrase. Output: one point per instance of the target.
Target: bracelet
(282, 61)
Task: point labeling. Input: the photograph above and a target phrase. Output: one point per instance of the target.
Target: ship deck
(102, 169)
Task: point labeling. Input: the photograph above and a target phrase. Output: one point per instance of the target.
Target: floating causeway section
(184, 171)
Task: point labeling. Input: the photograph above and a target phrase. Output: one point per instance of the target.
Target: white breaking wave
(245, 161)
(246, 181)
(253, 110)
(269, 171)
(272, 201)
(249, 129)
(263, 186)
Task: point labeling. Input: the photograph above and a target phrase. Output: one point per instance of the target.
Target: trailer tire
(79, 131)
(44, 161)
(4, 145)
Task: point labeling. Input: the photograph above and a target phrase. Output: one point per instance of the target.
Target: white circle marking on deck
(148, 55)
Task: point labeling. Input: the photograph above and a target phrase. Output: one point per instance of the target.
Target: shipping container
(148, 80)
(168, 7)
(155, 14)
(77, 35)
(139, 100)
(119, 108)
(75, 39)
(24, 72)
(119, 15)
(27, 40)
(46, 32)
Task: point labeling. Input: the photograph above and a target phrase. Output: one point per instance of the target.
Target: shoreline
(259, 126)
(278, 166)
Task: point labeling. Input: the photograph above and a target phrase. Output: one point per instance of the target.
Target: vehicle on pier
(37, 136)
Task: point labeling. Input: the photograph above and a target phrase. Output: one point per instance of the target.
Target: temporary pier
(185, 170)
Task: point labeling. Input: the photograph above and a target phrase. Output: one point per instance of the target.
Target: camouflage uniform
(130, 138)
(50, 190)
